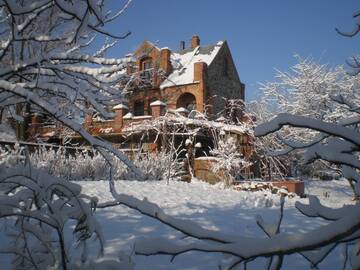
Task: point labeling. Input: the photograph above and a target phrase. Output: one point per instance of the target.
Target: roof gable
(183, 63)
(145, 49)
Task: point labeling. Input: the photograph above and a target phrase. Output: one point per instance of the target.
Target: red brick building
(192, 78)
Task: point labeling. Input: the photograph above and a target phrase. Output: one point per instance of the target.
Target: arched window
(187, 101)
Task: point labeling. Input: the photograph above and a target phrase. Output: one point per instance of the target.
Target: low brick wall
(297, 187)
(203, 166)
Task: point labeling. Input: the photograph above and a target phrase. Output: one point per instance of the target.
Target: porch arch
(187, 101)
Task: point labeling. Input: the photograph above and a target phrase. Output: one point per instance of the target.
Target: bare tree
(43, 63)
(354, 62)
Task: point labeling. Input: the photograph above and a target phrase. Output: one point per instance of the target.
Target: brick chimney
(182, 45)
(200, 77)
(199, 71)
(165, 63)
(195, 41)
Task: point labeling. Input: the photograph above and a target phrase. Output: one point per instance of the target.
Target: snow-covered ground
(213, 207)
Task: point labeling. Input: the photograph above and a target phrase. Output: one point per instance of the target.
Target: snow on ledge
(129, 115)
(142, 117)
(157, 103)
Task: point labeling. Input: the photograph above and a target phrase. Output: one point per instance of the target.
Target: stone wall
(223, 80)
(202, 169)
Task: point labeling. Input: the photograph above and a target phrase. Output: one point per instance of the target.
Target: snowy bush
(229, 161)
(154, 165)
(89, 165)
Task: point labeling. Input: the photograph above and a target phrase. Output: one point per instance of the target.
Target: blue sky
(262, 34)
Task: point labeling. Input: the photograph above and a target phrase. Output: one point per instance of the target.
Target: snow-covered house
(194, 78)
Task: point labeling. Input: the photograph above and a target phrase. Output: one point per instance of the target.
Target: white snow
(213, 208)
(182, 110)
(142, 117)
(157, 103)
(129, 115)
(120, 106)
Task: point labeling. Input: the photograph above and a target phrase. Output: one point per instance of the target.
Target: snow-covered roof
(120, 106)
(183, 63)
(157, 103)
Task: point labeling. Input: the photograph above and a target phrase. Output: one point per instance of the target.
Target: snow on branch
(316, 209)
(44, 65)
(42, 206)
(60, 116)
(284, 119)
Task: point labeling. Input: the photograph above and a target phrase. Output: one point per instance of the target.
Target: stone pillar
(195, 41)
(157, 108)
(127, 118)
(120, 111)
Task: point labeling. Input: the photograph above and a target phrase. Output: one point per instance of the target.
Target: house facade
(196, 77)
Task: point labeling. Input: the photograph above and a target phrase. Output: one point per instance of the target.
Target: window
(147, 66)
(138, 108)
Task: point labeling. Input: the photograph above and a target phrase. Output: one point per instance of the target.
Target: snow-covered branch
(42, 205)
(305, 122)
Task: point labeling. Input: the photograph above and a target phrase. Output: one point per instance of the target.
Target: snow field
(212, 207)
